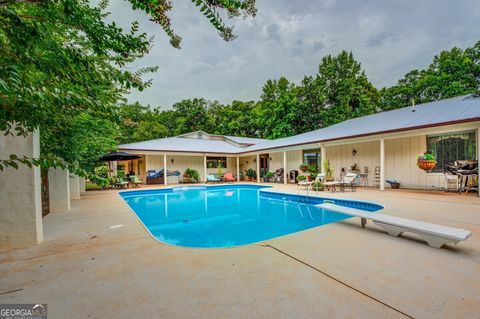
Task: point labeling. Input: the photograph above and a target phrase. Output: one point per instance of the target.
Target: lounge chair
(435, 235)
(212, 178)
(348, 180)
(135, 181)
(228, 177)
(119, 182)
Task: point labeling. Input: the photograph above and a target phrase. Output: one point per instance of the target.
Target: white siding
(400, 161)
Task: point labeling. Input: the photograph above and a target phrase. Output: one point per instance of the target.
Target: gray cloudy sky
(289, 38)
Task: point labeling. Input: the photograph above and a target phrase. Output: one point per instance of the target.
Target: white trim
(382, 164)
(165, 170)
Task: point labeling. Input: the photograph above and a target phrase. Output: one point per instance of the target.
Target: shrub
(317, 186)
(251, 173)
(301, 178)
(192, 174)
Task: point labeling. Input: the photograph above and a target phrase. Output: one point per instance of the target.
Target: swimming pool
(229, 215)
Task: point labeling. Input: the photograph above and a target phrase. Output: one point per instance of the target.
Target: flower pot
(395, 185)
(426, 165)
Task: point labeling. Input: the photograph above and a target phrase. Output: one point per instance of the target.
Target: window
(214, 162)
(312, 158)
(451, 147)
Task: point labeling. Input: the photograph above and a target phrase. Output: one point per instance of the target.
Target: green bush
(251, 173)
(317, 186)
(301, 178)
(192, 174)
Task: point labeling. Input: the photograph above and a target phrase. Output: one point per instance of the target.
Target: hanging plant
(426, 162)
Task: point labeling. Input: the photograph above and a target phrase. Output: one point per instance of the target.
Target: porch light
(354, 152)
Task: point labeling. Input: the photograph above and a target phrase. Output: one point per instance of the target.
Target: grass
(92, 186)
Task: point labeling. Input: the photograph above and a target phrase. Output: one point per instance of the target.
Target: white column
(285, 167)
(323, 155)
(74, 181)
(205, 168)
(114, 168)
(82, 185)
(165, 169)
(478, 159)
(258, 168)
(382, 164)
(58, 189)
(20, 194)
(238, 169)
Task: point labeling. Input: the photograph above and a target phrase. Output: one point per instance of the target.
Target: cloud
(289, 38)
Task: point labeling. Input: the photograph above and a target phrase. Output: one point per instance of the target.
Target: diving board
(435, 235)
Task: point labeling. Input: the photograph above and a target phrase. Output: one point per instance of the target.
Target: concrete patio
(84, 269)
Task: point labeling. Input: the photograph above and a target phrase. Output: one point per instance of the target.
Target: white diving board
(435, 235)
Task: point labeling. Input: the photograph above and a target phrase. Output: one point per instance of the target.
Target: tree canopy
(62, 66)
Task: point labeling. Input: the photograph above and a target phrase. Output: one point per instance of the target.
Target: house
(388, 142)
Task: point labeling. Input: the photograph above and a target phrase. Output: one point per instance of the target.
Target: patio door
(264, 164)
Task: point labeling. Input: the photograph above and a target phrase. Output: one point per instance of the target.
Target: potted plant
(219, 170)
(268, 177)
(303, 168)
(313, 170)
(393, 183)
(192, 175)
(250, 174)
(328, 171)
(317, 186)
(426, 162)
(354, 168)
(301, 178)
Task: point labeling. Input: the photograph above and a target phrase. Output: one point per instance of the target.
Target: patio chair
(348, 180)
(279, 175)
(212, 179)
(135, 181)
(119, 182)
(228, 177)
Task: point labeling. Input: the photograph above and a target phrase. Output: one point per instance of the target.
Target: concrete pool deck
(84, 269)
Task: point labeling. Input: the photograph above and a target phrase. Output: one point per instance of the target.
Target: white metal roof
(444, 112)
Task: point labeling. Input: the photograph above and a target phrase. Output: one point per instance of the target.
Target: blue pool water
(228, 215)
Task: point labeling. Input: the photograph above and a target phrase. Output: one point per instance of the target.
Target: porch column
(205, 168)
(478, 159)
(74, 181)
(238, 169)
(382, 164)
(285, 167)
(58, 189)
(323, 157)
(165, 169)
(258, 168)
(20, 194)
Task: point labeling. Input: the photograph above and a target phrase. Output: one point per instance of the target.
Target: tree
(149, 131)
(193, 116)
(60, 59)
(278, 109)
(344, 89)
(452, 73)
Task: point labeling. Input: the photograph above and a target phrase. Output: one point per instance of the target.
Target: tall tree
(278, 109)
(60, 59)
(344, 89)
(452, 73)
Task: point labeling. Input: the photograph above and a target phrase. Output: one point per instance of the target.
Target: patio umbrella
(118, 156)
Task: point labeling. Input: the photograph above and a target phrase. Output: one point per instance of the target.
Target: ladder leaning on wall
(376, 177)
